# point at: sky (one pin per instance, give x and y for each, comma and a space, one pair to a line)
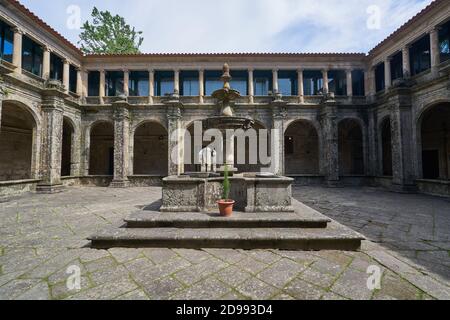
208, 26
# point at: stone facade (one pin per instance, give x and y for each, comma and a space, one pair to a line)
346, 130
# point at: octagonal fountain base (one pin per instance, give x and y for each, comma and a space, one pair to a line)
251, 192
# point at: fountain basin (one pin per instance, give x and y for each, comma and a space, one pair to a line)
251, 193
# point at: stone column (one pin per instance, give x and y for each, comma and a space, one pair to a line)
79, 82
349, 83
325, 81
371, 167
66, 75
201, 86
121, 145
300, 86
126, 80
402, 147
151, 85
406, 63
101, 89
46, 63
52, 120
275, 81
277, 141
84, 83
330, 143
434, 50
176, 81
176, 140
387, 73
229, 149
1, 105
17, 51
251, 89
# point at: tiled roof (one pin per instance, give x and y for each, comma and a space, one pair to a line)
39, 21
44, 25
242, 54
430, 7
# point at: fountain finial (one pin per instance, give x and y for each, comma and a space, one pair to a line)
226, 77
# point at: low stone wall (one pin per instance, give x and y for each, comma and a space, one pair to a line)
145, 181
96, 181
307, 179
10, 189
187, 194
434, 187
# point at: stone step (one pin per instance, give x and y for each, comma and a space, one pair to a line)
334, 237
143, 219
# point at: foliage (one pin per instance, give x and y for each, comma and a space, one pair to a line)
109, 34
226, 185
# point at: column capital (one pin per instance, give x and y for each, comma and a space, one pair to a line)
18, 30
250, 70
151, 70
435, 29
125, 70
46, 48
102, 71
300, 70
66, 61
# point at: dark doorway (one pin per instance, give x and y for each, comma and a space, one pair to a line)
66, 156
430, 161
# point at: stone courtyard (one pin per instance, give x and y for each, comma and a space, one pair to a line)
42, 235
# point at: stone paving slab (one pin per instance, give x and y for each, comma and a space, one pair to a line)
34, 261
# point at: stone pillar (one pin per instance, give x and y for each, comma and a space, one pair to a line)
126, 80
121, 145
176, 140
66, 76
17, 51
371, 167
300, 86
434, 50
275, 81
406, 63
176, 81
79, 82
84, 84
151, 85
46, 63
387, 73
325, 81
251, 88
52, 120
101, 88
277, 143
349, 83
402, 147
1, 105
201, 86
330, 143
372, 81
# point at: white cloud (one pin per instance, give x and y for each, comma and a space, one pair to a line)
247, 25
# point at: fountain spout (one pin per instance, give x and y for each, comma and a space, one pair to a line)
226, 95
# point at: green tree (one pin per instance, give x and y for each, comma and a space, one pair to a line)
108, 34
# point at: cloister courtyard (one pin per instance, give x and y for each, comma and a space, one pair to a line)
408, 238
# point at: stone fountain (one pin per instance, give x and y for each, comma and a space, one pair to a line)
196, 192
267, 217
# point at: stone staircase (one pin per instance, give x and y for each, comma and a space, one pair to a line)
304, 229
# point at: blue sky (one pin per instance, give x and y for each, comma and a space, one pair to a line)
245, 25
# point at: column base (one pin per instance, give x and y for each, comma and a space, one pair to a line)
50, 188
120, 184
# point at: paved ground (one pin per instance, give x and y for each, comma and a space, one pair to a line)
41, 236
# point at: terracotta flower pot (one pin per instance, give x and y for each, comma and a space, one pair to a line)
226, 207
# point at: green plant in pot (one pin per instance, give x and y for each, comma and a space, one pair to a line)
226, 204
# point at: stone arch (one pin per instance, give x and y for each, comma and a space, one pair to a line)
19, 142
385, 146
351, 145
302, 148
433, 140
150, 143
101, 148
